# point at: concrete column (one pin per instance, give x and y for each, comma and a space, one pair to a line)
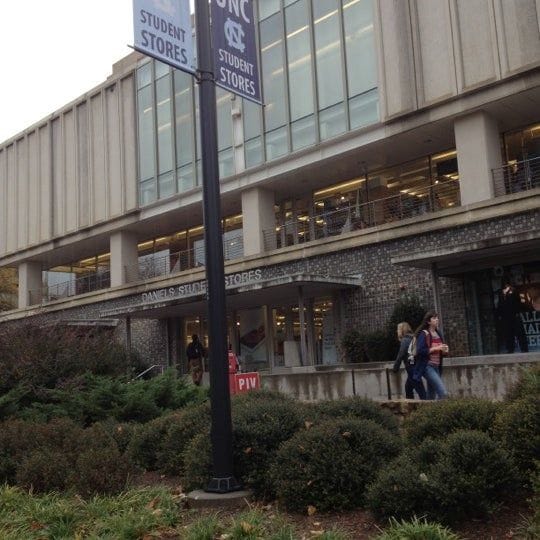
303, 337
30, 284
478, 152
124, 256
258, 218
310, 322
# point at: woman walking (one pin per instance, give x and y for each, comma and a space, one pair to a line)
405, 335
430, 349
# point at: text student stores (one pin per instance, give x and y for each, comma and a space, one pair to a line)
235, 51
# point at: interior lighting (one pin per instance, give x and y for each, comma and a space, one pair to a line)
339, 187
438, 157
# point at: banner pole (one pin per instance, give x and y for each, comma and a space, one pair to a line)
223, 480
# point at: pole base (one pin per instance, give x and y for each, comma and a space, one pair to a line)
224, 484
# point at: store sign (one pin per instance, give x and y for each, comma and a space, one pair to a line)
235, 49
232, 281
162, 30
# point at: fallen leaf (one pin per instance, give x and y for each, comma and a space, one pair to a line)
308, 424
248, 450
246, 527
311, 510
346, 434
152, 504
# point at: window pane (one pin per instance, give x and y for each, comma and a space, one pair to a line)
299, 60
253, 152
272, 72
224, 118
226, 163
364, 109
252, 119
303, 132
267, 8
161, 69
144, 75
359, 46
184, 118
164, 127
166, 185
276, 143
148, 192
146, 134
332, 121
328, 52
186, 181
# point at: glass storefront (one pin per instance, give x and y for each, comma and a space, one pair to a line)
496, 324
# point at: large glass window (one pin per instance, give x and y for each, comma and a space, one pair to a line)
329, 66
164, 137
251, 113
184, 129
146, 133
272, 72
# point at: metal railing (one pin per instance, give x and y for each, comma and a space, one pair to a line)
154, 266
517, 176
88, 283
406, 204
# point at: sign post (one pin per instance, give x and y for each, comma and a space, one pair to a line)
223, 480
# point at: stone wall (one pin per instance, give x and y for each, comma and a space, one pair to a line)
487, 377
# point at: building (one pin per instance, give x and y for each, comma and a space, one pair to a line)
398, 152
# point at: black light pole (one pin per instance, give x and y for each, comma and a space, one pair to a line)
223, 480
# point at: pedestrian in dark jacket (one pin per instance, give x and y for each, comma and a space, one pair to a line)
405, 335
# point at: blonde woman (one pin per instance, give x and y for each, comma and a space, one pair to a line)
405, 335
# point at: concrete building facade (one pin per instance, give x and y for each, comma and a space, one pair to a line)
398, 152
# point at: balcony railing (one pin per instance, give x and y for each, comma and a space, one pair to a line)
408, 203
88, 283
155, 266
517, 176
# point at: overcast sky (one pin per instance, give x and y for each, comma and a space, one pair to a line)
55, 50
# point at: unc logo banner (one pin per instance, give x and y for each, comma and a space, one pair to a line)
162, 30
235, 51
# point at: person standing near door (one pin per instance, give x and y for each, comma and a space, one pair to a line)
195, 354
508, 310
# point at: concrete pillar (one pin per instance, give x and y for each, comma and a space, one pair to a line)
30, 284
124, 258
478, 152
303, 336
258, 218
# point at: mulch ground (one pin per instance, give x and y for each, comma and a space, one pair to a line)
361, 525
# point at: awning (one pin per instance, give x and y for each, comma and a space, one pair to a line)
467, 257
277, 291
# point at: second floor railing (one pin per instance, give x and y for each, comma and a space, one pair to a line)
517, 176
406, 204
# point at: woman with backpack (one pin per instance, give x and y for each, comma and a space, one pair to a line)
405, 335
430, 349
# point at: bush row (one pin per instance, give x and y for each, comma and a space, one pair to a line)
60, 455
93, 398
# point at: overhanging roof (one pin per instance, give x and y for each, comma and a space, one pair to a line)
471, 256
277, 291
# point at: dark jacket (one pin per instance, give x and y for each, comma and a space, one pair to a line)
195, 350
403, 353
423, 344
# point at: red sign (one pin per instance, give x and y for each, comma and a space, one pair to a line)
240, 383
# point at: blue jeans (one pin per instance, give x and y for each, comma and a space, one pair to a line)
435, 386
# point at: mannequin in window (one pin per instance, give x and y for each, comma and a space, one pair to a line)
508, 310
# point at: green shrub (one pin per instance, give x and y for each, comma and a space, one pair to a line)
329, 465
439, 419
527, 385
260, 425
416, 529
147, 439
353, 345
473, 475
407, 309
369, 346
197, 461
354, 407
517, 426
465, 477
40, 357
178, 434
44, 470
